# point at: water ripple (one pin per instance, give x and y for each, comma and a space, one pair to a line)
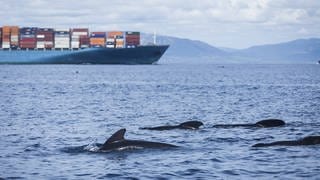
52, 119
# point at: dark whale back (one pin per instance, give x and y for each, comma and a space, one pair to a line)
263, 123
270, 123
191, 125
185, 125
117, 141
309, 140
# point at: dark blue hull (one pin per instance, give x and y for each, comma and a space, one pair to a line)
138, 55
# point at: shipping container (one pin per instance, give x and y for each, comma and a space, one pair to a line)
45, 38
84, 42
28, 37
62, 38
6, 37
10, 37
76, 33
97, 35
113, 34
97, 39
132, 33
132, 39
33, 37
97, 42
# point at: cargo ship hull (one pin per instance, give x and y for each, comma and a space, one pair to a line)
138, 55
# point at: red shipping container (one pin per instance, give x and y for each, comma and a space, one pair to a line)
80, 30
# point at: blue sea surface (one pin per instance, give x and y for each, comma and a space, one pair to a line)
52, 117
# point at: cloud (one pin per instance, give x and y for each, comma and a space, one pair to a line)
206, 20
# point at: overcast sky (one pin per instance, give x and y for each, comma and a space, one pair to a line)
222, 23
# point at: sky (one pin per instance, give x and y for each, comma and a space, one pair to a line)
221, 23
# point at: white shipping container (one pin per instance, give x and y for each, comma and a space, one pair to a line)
110, 46
62, 41
61, 29
84, 46
61, 46
40, 46
62, 37
75, 45
40, 36
74, 36
110, 39
5, 45
79, 33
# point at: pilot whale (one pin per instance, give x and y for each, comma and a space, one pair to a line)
309, 140
118, 142
185, 125
263, 123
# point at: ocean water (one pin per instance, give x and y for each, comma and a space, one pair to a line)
53, 116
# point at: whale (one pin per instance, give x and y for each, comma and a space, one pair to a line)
118, 142
309, 140
185, 125
266, 123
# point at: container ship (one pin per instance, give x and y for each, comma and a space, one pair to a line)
33, 45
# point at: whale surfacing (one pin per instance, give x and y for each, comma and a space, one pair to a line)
185, 125
118, 142
263, 123
309, 140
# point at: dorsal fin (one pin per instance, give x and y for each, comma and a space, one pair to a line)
117, 136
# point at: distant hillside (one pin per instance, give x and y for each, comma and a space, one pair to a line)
186, 50
297, 51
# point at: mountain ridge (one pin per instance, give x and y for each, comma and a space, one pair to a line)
187, 50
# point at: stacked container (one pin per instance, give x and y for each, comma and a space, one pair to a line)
115, 39
132, 39
110, 43
45, 38
6, 37
84, 41
14, 37
62, 38
97, 39
28, 39
119, 42
76, 35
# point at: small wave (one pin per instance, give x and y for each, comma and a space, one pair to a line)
32, 147
75, 149
110, 175
92, 148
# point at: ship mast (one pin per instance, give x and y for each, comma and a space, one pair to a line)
154, 37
